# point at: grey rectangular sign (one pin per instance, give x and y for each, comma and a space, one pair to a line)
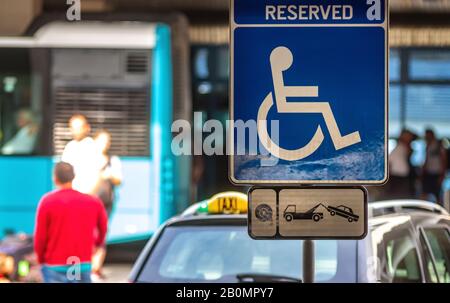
308, 213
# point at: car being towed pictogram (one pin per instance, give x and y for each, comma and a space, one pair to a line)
343, 211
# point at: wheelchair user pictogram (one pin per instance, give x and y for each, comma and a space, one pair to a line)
281, 59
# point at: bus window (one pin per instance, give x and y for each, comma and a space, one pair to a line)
111, 88
20, 102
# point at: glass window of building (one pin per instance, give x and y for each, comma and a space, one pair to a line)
419, 95
429, 65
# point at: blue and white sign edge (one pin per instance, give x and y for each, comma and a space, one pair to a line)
231, 139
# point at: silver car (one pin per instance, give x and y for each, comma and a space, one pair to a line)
408, 241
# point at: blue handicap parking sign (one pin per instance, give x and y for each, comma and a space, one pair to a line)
312, 74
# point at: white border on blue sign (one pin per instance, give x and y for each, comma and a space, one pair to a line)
233, 26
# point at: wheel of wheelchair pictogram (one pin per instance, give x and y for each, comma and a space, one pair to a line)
263, 213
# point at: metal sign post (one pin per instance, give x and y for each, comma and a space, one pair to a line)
309, 80
308, 261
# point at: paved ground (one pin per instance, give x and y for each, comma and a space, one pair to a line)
116, 273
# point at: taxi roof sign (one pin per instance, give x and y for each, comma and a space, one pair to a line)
222, 203
228, 203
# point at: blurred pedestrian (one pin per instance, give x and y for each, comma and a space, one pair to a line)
197, 172
401, 171
110, 176
24, 141
81, 154
110, 170
69, 225
435, 167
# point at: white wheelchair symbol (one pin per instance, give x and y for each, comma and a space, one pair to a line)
281, 59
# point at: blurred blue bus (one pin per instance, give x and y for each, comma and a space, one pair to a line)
120, 75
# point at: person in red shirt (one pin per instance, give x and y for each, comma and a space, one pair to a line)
69, 227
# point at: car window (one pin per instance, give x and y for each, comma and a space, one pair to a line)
429, 267
220, 253
439, 243
399, 259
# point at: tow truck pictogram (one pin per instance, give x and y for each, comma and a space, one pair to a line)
290, 213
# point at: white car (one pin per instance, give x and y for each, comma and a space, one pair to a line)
408, 241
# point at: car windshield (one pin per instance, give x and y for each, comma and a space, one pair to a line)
221, 253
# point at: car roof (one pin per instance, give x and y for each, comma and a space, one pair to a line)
198, 220
424, 218
405, 205
418, 212
416, 217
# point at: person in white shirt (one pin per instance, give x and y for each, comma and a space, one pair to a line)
81, 153
24, 141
